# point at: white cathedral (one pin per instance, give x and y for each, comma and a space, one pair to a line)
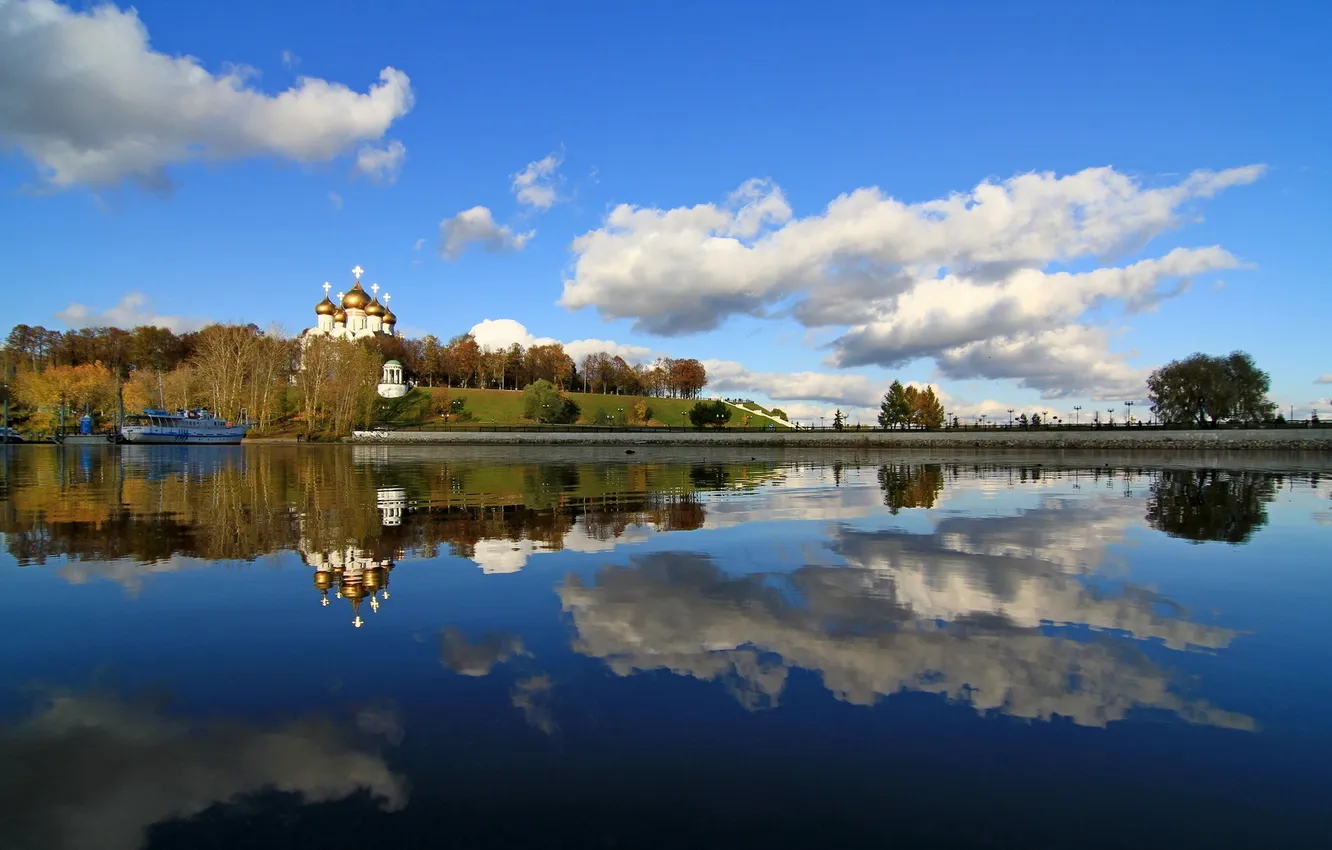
358, 314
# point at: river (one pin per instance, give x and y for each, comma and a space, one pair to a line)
397, 646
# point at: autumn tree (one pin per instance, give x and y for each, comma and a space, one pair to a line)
925, 409
907, 485
72, 388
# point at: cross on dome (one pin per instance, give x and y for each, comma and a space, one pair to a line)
358, 271
387, 297
339, 296
326, 288
374, 287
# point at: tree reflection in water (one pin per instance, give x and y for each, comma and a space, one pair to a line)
1209, 504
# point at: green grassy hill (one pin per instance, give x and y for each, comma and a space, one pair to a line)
505, 407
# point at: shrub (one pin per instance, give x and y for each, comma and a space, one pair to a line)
543, 403
713, 413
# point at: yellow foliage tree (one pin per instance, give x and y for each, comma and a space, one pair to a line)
90, 385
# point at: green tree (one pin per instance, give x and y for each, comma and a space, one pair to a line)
1205, 390
543, 403
1035, 420
895, 409
838, 420
713, 413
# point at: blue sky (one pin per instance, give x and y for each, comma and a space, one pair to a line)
728, 130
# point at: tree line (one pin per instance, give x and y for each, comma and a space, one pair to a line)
238, 370
463, 362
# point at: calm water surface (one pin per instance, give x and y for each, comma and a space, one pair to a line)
371, 647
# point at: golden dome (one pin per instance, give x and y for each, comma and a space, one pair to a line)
375, 308
374, 578
353, 591
325, 307
340, 316
323, 579
356, 299
389, 318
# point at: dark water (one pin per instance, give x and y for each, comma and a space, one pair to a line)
366, 647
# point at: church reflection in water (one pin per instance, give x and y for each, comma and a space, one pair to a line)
354, 574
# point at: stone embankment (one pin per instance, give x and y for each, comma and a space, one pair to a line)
1289, 439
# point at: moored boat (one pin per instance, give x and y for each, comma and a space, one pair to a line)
187, 427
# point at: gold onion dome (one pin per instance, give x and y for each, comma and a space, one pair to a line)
389, 318
375, 308
356, 299
340, 316
325, 307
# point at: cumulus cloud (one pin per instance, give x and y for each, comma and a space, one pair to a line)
90, 102
729, 377
132, 311
534, 186
476, 659
478, 227
381, 165
1061, 363
96, 771
949, 623
502, 333
905, 280
1324, 379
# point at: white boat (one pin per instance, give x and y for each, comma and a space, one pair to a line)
184, 427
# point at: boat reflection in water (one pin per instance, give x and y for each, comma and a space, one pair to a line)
686, 640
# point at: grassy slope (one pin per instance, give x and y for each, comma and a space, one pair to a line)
505, 407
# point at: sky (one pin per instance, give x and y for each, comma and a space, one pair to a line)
1026, 205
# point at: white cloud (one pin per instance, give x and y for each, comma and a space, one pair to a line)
502, 333
1069, 361
534, 186
381, 165
1324, 379
478, 227
132, 311
90, 102
729, 378
335, 200
905, 280
289, 59
420, 243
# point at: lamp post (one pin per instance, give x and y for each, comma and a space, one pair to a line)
620, 410
1128, 414
1077, 409
821, 418
682, 418
1010, 417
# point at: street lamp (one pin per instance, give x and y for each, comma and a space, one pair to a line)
1077, 409
1010, 417
1128, 413
821, 418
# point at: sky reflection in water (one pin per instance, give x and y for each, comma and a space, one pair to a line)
342, 646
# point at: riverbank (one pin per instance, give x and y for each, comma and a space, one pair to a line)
1290, 439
